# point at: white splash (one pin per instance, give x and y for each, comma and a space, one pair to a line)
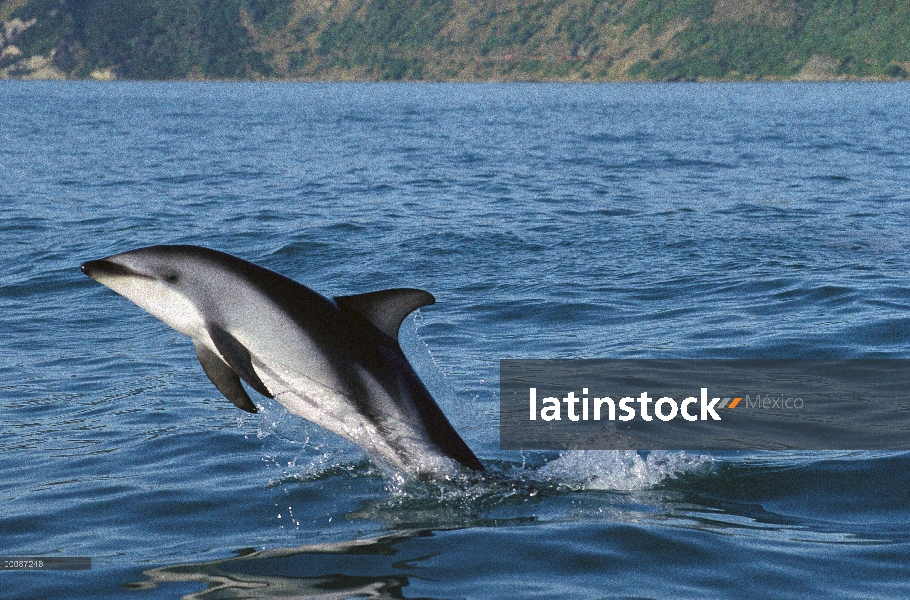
620, 470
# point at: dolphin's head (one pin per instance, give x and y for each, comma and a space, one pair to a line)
173, 283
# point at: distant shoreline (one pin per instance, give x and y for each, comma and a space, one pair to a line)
456, 40
461, 81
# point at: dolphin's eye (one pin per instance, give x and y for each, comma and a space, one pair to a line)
171, 277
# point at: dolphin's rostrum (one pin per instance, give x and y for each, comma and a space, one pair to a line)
334, 362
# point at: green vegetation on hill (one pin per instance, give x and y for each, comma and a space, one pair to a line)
570, 40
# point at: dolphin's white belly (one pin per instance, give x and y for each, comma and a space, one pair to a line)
332, 410
315, 402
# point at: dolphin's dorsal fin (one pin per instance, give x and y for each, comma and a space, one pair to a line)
386, 309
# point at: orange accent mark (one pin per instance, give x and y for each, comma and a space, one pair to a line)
734, 403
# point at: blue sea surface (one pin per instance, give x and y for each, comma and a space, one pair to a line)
550, 221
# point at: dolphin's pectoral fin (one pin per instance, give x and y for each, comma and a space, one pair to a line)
238, 358
224, 378
386, 309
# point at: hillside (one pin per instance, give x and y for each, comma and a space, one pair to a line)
471, 40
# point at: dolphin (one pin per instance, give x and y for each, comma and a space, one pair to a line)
335, 362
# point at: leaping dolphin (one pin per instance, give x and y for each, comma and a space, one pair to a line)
335, 362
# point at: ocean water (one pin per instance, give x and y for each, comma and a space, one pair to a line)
550, 221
